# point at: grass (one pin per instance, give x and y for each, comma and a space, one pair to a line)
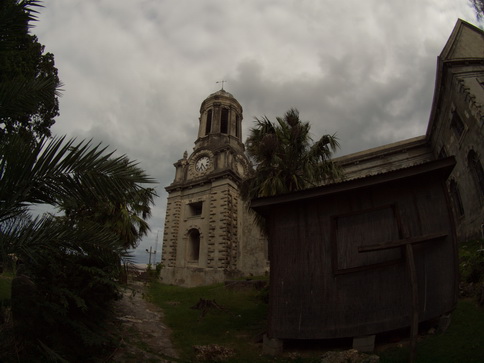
243, 319
471, 261
237, 326
462, 342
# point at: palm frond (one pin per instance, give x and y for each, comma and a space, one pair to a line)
18, 96
285, 157
55, 171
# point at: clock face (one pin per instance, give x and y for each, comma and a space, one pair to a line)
202, 164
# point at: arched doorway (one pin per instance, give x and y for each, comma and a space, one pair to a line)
193, 250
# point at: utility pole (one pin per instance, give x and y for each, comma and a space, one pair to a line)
151, 253
156, 248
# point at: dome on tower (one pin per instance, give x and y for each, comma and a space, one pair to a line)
221, 92
222, 96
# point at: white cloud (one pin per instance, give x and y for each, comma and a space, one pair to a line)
136, 71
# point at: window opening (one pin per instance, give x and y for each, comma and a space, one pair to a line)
195, 209
224, 121
237, 126
457, 125
208, 125
456, 198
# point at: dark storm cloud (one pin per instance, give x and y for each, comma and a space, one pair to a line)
136, 71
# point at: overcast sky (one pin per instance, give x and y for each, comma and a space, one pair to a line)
136, 71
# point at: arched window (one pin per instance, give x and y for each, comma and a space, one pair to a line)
476, 170
456, 198
193, 245
224, 121
237, 126
208, 124
457, 125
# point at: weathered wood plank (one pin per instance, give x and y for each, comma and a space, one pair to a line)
310, 299
402, 242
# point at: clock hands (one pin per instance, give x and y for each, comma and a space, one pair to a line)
202, 164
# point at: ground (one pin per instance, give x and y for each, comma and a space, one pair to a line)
145, 338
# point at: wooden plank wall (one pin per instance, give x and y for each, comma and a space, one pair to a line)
322, 288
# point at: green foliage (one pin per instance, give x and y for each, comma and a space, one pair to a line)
74, 263
462, 342
123, 214
478, 6
471, 261
29, 82
69, 263
236, 325
153, 274
5, 285
158, 268
285, 157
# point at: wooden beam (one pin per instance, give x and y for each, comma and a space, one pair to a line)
402, 242
410, 261
414, 309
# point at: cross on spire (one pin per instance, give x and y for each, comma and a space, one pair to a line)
222, 81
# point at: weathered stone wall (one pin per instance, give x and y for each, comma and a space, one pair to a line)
253, 256
230, 243
170, 234
463, 98
386, 158
458, 95
221, 240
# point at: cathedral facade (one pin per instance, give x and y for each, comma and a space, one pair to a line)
210, 235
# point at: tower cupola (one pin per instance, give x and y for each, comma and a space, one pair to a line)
220, 121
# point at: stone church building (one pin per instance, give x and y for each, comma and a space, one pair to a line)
456, 128
210, 235
456, 125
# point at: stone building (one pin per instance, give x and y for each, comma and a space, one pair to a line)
456, 128
456, 124
210, 234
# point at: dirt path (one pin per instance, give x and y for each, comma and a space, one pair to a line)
145, 337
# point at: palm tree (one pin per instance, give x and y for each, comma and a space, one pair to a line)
70, 257
124, 215
29, 83
78, 178
285, 157
478, 6
72, 260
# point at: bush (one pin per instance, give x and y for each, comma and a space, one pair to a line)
151, 274
471, 264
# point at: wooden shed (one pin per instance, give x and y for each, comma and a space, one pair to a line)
352, 258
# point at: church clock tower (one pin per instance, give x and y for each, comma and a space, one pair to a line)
210, 235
